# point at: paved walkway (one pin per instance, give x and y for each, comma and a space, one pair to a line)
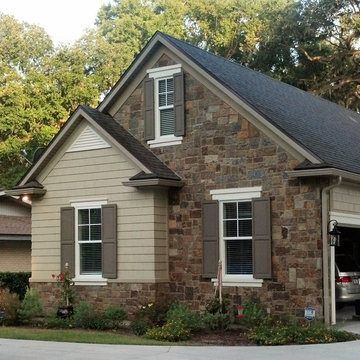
46, 350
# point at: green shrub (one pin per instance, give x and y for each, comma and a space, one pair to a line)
181, 312
86, 317
254, 313
17, 283
153, 313
10, 304
54, 322
114, 315
213, 306
172, 331
31, 306
216, 321
296, 333
139, 326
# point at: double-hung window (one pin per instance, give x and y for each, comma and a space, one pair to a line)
89, 240
164, 106
237, 237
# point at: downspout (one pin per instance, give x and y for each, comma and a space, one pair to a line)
325, 219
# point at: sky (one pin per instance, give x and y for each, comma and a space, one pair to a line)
64, 20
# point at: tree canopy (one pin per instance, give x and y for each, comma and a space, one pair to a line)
312, 44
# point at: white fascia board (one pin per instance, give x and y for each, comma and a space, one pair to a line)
346, 175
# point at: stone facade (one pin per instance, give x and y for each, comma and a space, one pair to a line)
220, 150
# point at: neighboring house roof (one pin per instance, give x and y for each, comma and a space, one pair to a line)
328, 132
15, 225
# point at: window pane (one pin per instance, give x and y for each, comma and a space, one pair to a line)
83, 232
230, 228
230, 211
95, 232
167, 123
239, 257
245, 227
90, 259
162, 100
95, 216
244, 209
162, 86
83, 216
170, 99
170, 85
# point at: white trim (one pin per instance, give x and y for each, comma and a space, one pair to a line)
89, 139
164, 71
79, 278
165, 141
226, 195
345, 218
236, 193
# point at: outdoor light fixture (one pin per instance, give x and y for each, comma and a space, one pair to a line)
334, 233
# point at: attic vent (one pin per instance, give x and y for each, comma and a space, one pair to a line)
88, 140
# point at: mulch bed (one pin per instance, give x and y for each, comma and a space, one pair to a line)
225, 338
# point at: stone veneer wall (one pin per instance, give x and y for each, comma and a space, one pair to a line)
223, 150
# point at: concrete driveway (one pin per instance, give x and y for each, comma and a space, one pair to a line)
44, 350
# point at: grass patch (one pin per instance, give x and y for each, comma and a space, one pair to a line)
75, 335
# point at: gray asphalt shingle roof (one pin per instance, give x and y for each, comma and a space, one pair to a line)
131, 144
329, 131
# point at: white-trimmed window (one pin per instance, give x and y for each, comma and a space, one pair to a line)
164, 112
235, 235
88, 241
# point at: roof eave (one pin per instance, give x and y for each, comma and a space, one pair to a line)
33, 191
154, 183
346, 175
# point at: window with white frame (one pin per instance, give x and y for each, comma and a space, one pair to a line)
235, 234
89, 240
164, 111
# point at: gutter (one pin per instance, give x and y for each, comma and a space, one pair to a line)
329, 298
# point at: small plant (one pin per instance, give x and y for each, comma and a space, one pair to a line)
86, 317
114, 315
65, 282
153, 313
254, 313
181, 312
216, 321
31, 306
214, 306
139, 326
10, 304
174, 330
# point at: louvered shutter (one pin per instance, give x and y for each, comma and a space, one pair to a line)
261, 234
179, 104
210, 230
149, 126
67, 236
109, 241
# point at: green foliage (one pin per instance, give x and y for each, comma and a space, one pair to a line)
181, 313
31, 306
65, 283
214, 306
10, 304
254, 313
216, 321
153, 313
16, 282
54, 322
297, 333
86, 317
114, 315
174, 330
139, 326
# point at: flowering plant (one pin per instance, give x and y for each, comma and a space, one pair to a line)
65, 282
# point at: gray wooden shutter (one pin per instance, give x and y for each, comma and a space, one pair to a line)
109, 241
149, 126
179, 104
67, 238
210, 230
261, 233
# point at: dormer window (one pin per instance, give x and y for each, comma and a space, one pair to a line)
164, 106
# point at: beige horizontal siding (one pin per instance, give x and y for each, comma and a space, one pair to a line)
15, 256
90, 176
345, 198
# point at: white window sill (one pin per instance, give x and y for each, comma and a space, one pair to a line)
165, 141
242, 281
90, 280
